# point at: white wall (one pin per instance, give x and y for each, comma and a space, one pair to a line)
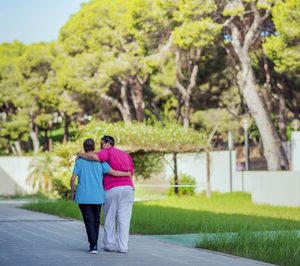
13, 174
280, 188
266, 187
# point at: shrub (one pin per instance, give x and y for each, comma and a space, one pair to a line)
62, 190
147, 164
183, 191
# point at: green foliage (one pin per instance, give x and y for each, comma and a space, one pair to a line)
51, 172
208, 119
9, 56
196, 33
183, 191
140, 136
15, 127
147, 165
283, 48
66, 153
14, 124
61, 189
189, 9
44, 120
234, 8
111, 43
65, 156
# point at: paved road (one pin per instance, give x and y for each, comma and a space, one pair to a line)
30, 238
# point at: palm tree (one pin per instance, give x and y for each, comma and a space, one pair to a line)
66, 153
42, 169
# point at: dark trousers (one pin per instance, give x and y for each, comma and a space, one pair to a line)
91, 218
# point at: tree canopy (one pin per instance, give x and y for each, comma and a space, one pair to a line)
138, 137
192, 63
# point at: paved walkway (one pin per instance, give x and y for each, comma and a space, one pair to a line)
30, 238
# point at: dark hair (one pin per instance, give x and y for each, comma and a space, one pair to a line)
109, 139
89, 145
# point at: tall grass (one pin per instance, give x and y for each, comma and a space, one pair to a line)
62, 208
281, 248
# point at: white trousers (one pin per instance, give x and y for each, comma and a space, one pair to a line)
118, 209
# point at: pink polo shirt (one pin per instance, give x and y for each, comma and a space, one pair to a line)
119, 161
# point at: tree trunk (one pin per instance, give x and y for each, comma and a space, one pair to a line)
186, 113
266, 91
138, 100
283, 110
236, 77
208, 163
282, 119
18, 148
13, 149
46, 140
35, 140
176, 189
187, 91
178, 108
126, 109
282, 122
50, 139
241, 44
66, 129
261, 116
122, 110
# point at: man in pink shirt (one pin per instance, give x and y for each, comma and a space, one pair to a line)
119, 194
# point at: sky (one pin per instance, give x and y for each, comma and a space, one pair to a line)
31, 21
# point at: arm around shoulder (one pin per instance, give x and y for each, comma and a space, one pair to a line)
91, 156
119, 173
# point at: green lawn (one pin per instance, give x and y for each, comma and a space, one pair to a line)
222, 213
57, 134
280, 248
197, 214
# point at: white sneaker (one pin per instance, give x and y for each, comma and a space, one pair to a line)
109, 249
122, 251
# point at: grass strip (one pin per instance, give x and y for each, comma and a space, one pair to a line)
221, 213
281, 248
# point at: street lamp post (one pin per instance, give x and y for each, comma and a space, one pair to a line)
295, 145
230, 147
245, 123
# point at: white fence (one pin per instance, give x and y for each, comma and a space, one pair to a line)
280, 188
266, 187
